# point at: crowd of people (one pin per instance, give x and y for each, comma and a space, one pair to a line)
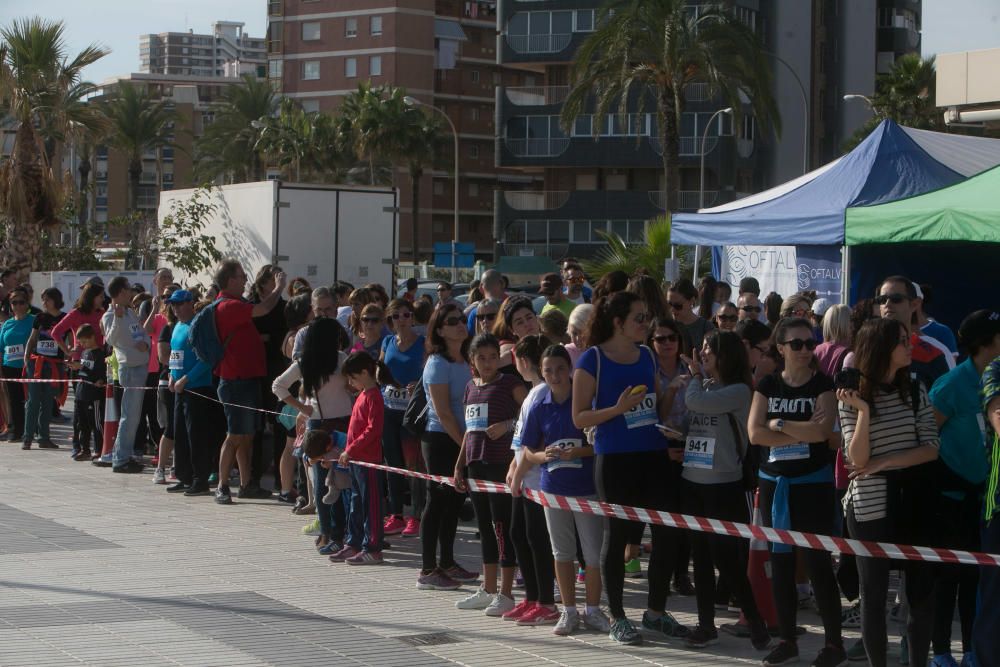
841, 421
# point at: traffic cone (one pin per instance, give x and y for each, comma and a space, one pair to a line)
110, 421
759, 572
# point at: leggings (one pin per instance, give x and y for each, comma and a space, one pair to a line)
635, 478
874, 575
729, 503
530, 537
440, 519
15, 390
957, 521
811, 507
493, 512
394, 439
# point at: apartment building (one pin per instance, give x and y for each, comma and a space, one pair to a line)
225, 52
443, 52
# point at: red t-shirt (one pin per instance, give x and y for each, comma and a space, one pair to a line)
244, 356
364, 433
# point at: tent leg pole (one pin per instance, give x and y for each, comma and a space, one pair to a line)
845, 275
694, 267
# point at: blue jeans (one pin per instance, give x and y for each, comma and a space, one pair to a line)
38, 409
131, 408
365, 521
332, 518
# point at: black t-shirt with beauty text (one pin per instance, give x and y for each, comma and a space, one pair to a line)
794, 404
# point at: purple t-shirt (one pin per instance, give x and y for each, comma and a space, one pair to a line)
484, 406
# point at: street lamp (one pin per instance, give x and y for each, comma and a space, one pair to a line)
805, 110
867, 100
701, 189
413, 102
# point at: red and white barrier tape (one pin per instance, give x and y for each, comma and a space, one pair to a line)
720, 527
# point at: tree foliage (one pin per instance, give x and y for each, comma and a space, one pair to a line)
229, 147
180, 239
905, 94
649, 256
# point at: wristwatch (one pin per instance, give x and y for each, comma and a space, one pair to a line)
779, 425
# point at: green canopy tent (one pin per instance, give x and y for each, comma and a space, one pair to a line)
949, 238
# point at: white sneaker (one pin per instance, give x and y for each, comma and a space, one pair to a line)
500, 605
596, 620
568, 622
478, 600
159, 476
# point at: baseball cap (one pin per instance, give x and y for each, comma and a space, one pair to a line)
820, 306
979, 328
180, 296
93, 280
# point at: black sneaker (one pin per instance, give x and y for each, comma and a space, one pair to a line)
683, 585
665, 624
784, 654
286, 498
223, 496
130, 468
178, 487
198, 490
47, 444
831, 655
253, 492
760, 638
26, 445
701, 637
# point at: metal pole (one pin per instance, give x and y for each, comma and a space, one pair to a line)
701, 187
805, 110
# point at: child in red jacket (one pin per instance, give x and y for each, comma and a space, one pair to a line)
363, 545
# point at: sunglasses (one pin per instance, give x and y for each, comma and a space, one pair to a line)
487, 317
443, 289
896, 299
750, 309
405, 315
371, 320
677, 306
576, 279
452, 321
797, 344
727, 318
665, 338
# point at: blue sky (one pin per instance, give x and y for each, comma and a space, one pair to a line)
948, 25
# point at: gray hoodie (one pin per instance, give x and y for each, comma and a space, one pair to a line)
713, 453
124, 334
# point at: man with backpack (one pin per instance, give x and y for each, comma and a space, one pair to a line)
240, 369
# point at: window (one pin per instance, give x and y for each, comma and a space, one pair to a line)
562, 22
376, 25
310, 31
351, 27
749, 129
439, 187
473, 189
350, 67
310, 106
375, 66
474, 152
475, 76
474, 112
274, 68
585, 20
583, 126
310, 70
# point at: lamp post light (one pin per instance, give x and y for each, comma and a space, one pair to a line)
414, 102
867, 100
701, 188
805, 109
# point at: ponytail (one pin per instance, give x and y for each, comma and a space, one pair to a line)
359, 362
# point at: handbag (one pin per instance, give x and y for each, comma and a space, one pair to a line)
415, 417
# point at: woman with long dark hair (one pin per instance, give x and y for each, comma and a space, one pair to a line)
614, 393
649, 291
791, 419
718, 399
889, 433
682, 296
327, 406
445, 377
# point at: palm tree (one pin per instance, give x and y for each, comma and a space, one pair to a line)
40, 89
304, 144
648, 256
137, 123
418, 147
370, 127
228, 147
904, 94
652, 49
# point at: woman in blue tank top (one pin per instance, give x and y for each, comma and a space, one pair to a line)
614, 393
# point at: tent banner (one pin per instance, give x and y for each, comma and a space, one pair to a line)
782, 269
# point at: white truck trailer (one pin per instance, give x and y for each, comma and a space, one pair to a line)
323, 233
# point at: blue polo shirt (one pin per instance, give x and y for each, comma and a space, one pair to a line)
183, 361
550, 423
963, 437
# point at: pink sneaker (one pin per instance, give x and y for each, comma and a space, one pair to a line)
540, 616
344, 554
393, 525
412, 527
366, 558
520, 610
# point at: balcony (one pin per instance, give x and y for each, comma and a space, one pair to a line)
274, 46
275, 7
575, 205
535, 96
527, 200
687, 200
544, 43
687, 146
545, 147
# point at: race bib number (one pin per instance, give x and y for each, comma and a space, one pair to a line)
87, 363
643, 414
564, 444
477, 416
396, 398
796, 452
14, 351
137, 333
515, 442
176, 362
47, 348
163, 384
699, 452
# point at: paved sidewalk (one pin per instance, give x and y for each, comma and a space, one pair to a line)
106, 569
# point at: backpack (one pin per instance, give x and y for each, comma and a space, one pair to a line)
204, 337
415, 417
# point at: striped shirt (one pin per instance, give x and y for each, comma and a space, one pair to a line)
893, 428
